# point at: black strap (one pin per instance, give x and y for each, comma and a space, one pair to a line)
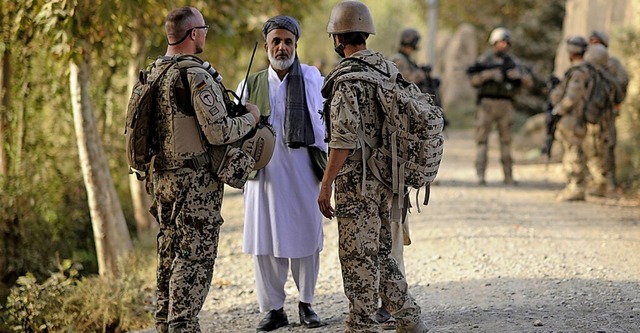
369, 65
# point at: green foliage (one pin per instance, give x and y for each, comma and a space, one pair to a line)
67, 302
33, 307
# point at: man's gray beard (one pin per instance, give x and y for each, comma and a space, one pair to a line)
281, 64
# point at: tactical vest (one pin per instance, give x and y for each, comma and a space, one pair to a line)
505, 89
179, 134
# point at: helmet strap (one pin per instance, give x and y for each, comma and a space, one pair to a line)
339, 50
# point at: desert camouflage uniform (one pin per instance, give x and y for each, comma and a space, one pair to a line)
413, 73
568, 99
495, 99
364, 217
187, 198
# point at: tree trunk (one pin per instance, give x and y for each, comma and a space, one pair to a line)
109, 226
5, 100
145, 223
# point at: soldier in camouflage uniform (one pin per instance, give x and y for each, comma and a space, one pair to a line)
363, 202
614, 66
568, 100
596, 143
420, 75
498, 78
187, 196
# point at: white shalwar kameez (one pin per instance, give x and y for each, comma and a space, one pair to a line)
282, 219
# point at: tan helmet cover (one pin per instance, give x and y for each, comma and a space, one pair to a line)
261, 145
597, 54
350, 16
499, 34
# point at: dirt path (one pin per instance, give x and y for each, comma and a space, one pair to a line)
483, 259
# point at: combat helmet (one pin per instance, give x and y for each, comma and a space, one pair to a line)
597, 54
576, 45
409, 37
601, 36
350, 16
499, 34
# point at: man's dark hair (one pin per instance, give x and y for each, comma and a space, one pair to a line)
354, 38
177, 22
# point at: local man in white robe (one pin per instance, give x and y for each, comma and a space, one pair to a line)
283, 226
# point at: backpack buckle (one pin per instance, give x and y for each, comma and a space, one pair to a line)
198, 161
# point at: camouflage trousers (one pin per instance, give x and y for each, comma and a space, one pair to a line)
187, 207
500, 112
573, 158
595, 149
368, 270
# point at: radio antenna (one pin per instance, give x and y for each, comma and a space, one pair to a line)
244, 84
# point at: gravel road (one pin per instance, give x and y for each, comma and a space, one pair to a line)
484, 259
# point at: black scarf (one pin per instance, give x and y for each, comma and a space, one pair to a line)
298, 130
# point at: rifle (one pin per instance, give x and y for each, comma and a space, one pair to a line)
551, 119
478, 67
430, 85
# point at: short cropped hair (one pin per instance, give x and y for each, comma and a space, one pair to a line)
179, 21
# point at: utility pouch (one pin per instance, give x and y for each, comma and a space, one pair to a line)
235, 167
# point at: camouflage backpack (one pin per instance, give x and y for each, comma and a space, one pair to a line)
602, 94
140, 144
412, 141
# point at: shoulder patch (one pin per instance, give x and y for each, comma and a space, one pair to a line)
207, 97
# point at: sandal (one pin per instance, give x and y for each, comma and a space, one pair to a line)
382, 315
389, 324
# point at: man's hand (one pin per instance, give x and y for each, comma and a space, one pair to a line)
255, 112
324, 201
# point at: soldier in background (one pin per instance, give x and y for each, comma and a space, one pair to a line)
420, 75
616, 69
596, 143
498, 78
568, 100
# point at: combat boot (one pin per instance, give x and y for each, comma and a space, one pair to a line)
508, 178
570, 194
481, 163
599, 190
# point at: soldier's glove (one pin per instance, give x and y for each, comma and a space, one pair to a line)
494, 74
514, 74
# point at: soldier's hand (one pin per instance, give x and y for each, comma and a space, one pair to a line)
494, 74
514, 74
324, 201
255, 112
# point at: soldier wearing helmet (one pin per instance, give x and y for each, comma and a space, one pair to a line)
617, 70
282, 238
568, 99
498, 78
362, 200
595, 145
420, 75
